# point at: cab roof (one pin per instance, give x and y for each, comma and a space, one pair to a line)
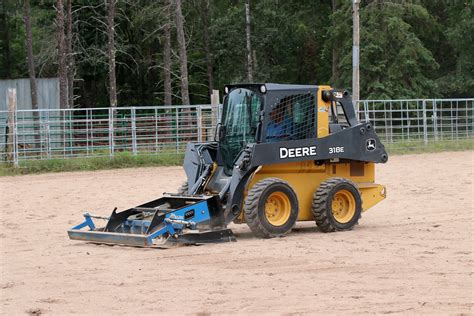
275, 86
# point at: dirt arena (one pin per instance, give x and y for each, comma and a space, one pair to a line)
413, 253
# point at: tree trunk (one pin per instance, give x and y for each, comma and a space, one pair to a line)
5, 72
249, 44
69, 54
355, 53
207, 49
62, 67
29, 53
31, 70
111, 52
335, 52
167, 54
183, 58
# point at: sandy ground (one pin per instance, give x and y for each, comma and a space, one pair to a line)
413, 253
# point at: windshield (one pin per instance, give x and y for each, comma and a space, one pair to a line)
240, 119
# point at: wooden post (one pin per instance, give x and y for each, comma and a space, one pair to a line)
11, 137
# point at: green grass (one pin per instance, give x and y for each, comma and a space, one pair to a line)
402, 148
120, 160
127, 160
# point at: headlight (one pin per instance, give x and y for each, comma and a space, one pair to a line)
263, 89
226, 89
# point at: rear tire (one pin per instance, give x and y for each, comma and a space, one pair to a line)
337, 205
271, 208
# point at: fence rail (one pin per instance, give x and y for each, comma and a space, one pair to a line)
417, 122
95, 132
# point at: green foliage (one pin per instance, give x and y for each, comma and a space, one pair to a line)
394, 60
287, 40
459, 81
409, 49
12, 37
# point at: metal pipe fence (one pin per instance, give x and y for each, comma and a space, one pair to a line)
96, 132
417, 122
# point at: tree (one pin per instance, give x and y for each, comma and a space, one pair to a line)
167, 53
458, 80
31, 69
249, 42
335, 55
408, 48
29, 52
69, 54
4, 27
183, 57
394, 62
62, 63
207, 44
111, 52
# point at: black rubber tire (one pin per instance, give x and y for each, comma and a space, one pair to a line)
183, 189
322, 205
254, 208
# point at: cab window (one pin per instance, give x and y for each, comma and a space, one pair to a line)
292, 118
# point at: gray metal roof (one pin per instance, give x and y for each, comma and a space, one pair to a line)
278, 86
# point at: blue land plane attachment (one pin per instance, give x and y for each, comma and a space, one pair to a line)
170, 219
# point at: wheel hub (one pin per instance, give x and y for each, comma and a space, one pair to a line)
343, 206
277, 208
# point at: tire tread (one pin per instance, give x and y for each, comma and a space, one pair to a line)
251, 207
320, 199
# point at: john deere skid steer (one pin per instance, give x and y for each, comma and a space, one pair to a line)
282, 153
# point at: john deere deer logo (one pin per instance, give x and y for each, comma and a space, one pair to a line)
370, 144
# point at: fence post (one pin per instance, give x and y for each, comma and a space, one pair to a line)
48, 135
366, 111
87, 132
134, 132
425, 123
177, 130
111, 132
435, 119
15, 140
12, 144
199, 122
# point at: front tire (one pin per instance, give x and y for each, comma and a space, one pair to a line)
337, 205
271, 208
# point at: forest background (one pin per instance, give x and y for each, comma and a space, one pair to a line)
136, 52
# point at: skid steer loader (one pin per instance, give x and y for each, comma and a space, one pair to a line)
282, 153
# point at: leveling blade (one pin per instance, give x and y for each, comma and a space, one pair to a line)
173, 218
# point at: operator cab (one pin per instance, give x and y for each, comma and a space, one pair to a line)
264, 113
